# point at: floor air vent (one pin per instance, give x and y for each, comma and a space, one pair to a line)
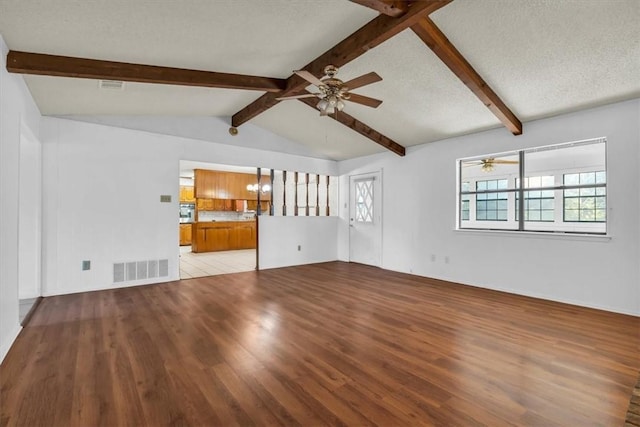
140, 270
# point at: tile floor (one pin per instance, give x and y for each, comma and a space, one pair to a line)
212, 263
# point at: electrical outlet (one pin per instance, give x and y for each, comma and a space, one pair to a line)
86, 265
299, 248
433, 257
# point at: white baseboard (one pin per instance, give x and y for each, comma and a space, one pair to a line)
56, 292
6, 345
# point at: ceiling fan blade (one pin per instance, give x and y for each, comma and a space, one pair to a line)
505, 162
364, 100
309, 77
363, 80
304, 95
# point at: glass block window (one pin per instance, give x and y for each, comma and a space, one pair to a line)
491, 205
589, 202
364, 201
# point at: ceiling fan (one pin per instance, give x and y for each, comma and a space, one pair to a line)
333, 92
488, 164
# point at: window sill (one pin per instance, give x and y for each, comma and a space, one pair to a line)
537, 234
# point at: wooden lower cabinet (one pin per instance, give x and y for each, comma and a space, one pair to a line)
223, 236
244, 236
185, 234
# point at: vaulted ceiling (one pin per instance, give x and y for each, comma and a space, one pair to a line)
539, 58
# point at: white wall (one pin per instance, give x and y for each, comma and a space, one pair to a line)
30, 218
279, 237
213, 129
419, 217
17, 109
101, 201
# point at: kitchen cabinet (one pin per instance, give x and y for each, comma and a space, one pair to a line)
187, 194
223, 236
185, 234
226, 185
218, 204
203, 181
223, 205
205, 204
252, 205
244, 236
210, 237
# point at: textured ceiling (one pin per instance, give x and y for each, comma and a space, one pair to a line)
541, 57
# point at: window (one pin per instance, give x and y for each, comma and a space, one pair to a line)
586, 201
559, 188
364, 200
491, 205
538, 204
464, 202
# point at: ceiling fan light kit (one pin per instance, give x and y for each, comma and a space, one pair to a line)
488, 167
333, 92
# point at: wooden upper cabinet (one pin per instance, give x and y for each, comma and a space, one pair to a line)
227, 185
201, 184
239, 187
220, 185
187, 194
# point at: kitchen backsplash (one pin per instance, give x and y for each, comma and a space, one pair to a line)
224, 216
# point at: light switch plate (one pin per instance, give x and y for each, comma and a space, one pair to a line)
165, 198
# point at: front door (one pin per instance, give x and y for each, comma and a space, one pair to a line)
365, 219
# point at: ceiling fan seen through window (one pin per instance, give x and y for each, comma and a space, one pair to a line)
488, 164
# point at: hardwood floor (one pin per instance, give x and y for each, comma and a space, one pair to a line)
334, 343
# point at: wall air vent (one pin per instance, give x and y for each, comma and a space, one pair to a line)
140, 270
118, 272
111, 84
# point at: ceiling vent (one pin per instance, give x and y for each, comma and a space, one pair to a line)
111, 84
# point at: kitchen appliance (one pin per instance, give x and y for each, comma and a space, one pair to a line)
187, 212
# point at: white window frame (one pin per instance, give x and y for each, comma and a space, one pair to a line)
558, 226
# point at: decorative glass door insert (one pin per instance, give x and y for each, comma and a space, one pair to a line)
364, 201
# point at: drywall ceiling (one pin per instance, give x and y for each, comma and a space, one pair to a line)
542, 58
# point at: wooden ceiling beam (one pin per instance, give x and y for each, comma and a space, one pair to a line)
372, 34
361, 128
393, 8
431, 35
65, 66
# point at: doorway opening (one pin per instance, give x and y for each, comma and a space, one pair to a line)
219, 205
